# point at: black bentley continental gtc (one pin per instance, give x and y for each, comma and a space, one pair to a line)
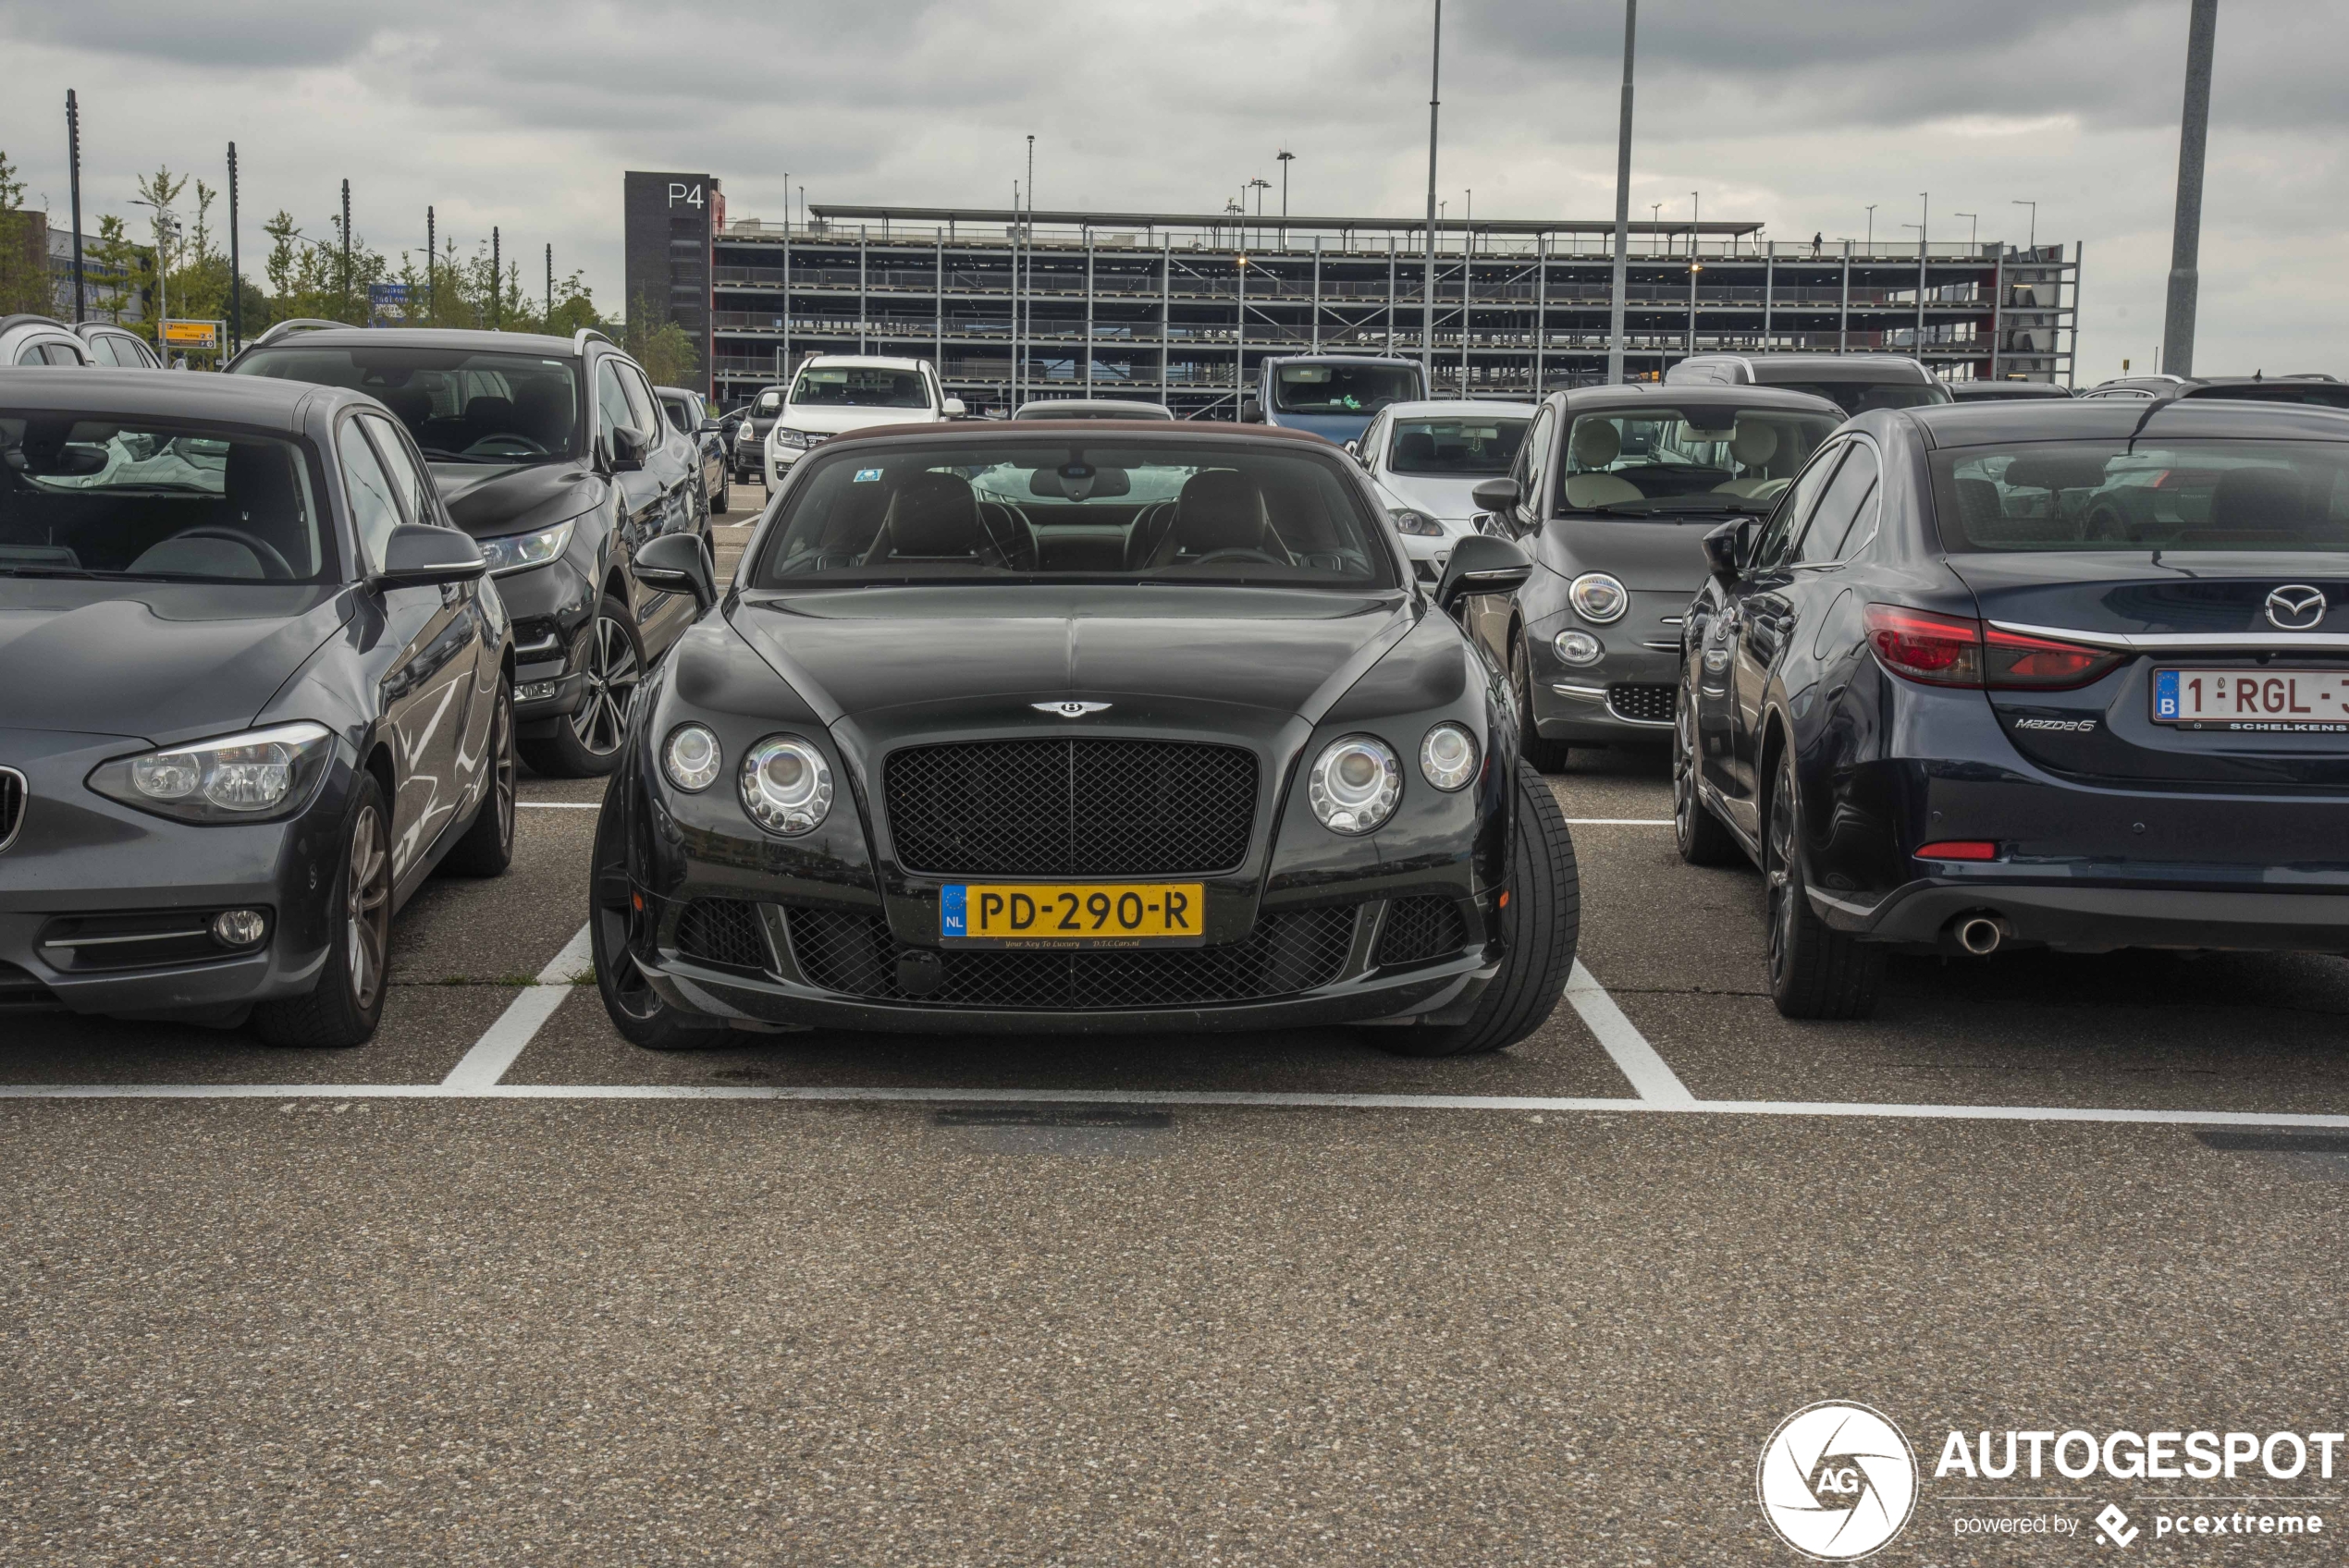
1104, 727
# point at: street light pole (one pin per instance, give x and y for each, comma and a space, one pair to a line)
1974, 230
73, 152
1434, 99
2185, 241
346, 246
1867, 246
1622, 201
1286, 157
236, 270
2032, 243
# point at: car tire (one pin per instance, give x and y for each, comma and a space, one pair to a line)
725, 502
636, 1010
587, 744
1704, 839
1546, 756
1816, 971
1539, 927
344, 1007
487, 847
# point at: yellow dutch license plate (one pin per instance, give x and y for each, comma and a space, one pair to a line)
1072, 914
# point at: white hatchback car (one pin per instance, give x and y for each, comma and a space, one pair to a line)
1427, 457
833, 393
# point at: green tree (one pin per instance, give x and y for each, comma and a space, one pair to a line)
25, 284
660, 346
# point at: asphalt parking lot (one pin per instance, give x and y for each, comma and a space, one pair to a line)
498, 1287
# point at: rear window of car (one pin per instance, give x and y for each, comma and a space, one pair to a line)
2170, 496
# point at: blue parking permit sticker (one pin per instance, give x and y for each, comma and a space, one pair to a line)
868, 476
2165, 694
949, 910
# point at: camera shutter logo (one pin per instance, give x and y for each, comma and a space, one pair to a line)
1836, 1481
2295, 607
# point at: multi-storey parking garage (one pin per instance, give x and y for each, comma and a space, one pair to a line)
1180, 308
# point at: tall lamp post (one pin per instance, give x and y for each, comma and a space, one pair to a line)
2032, 243
2185, 240
1286, 158
1622, 201
1867, 246
236, 270
1435, 100
73, 154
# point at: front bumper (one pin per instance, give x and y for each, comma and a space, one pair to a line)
550, 606
2076, 917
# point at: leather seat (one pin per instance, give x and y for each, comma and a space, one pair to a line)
933, 516
1751, 446
1218, 509
1597, 444
1414, 447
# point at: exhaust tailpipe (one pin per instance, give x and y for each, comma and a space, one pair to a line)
1980, 935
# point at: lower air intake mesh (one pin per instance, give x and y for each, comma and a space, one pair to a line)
724, 932
1422, 928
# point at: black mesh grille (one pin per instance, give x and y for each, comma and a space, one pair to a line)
19, 989
722, 931
853, 954
1647, 705
11, 802
1422, 928
1071, 808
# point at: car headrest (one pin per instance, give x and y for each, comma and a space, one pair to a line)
543, 413
1218, 509
2259, 497
259, 483
2057, 471
1978, 500
1753, 443
413, 404
1596, 442
490, 413
934, 514
1415, 446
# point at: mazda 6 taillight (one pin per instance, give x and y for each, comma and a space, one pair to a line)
1952, 650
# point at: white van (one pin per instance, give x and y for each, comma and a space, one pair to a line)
833, 393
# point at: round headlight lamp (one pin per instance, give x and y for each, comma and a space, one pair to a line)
787, 786
1578, 648
1447, 758
1355, 784
1598, 598
690, 758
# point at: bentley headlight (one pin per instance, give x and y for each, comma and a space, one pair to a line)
691, 757
1598, 598
1409, 520
249, 777
787, 786
514, 552
1355, 784
1447, 758
1578, 648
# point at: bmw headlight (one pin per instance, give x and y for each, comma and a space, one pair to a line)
515, 551
691, 757
1355, 784
1447, 758
787, 786
1409, 520
249, 777
1598, 598
1578, 648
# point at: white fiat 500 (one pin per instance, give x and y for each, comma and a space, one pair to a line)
1427, 457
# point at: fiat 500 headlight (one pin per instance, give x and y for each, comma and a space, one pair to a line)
514, 552
249, 777
1598, 598
787, 786
1355, 784
691, 757
1447, 758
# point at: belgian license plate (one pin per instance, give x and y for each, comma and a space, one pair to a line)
1072, 914
2316, 700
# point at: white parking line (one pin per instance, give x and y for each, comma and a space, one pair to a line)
1619, 822
1648, 1073
503, 1040
560, 805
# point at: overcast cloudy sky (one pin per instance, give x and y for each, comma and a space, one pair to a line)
524, 115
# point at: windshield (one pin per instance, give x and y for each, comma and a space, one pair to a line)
1341, 388
1859, 396
2167, 496
85, 496
860, 386
1658, 461
1021, 510
1452, 447
460, 404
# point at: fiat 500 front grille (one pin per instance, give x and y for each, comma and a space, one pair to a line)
1070, 808
1641, 704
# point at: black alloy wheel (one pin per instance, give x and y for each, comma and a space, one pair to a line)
344, 1008
725, 501
611, 654
617, 919
1702, 837
1816, 971
1546, 756
488, 847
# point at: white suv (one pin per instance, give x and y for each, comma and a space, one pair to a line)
833, 393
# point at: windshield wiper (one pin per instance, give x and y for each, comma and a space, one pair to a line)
1666, 504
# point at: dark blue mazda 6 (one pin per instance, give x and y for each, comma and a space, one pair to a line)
2004, 675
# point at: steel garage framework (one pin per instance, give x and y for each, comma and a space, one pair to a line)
1178, 307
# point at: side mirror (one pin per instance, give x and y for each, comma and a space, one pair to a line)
712, 427
1251, 412
675, 563
1728, 547
1353, 450
416, 556
1481, 564
1494, 494
952, 408
627, 450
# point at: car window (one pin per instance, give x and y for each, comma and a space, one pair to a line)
1340, 388
860, 386
641, 400
375, 511
64, 354
1796, 508
2168, 496
1846, 499
414, 488
612, 411
461, 405
1533, 458
681, 414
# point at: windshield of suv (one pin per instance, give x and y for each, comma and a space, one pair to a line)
1452, 447
461, 405
1859, 396
1656, 460
1027, 509
860, 386
2212, 495
1341, 388
91, 496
